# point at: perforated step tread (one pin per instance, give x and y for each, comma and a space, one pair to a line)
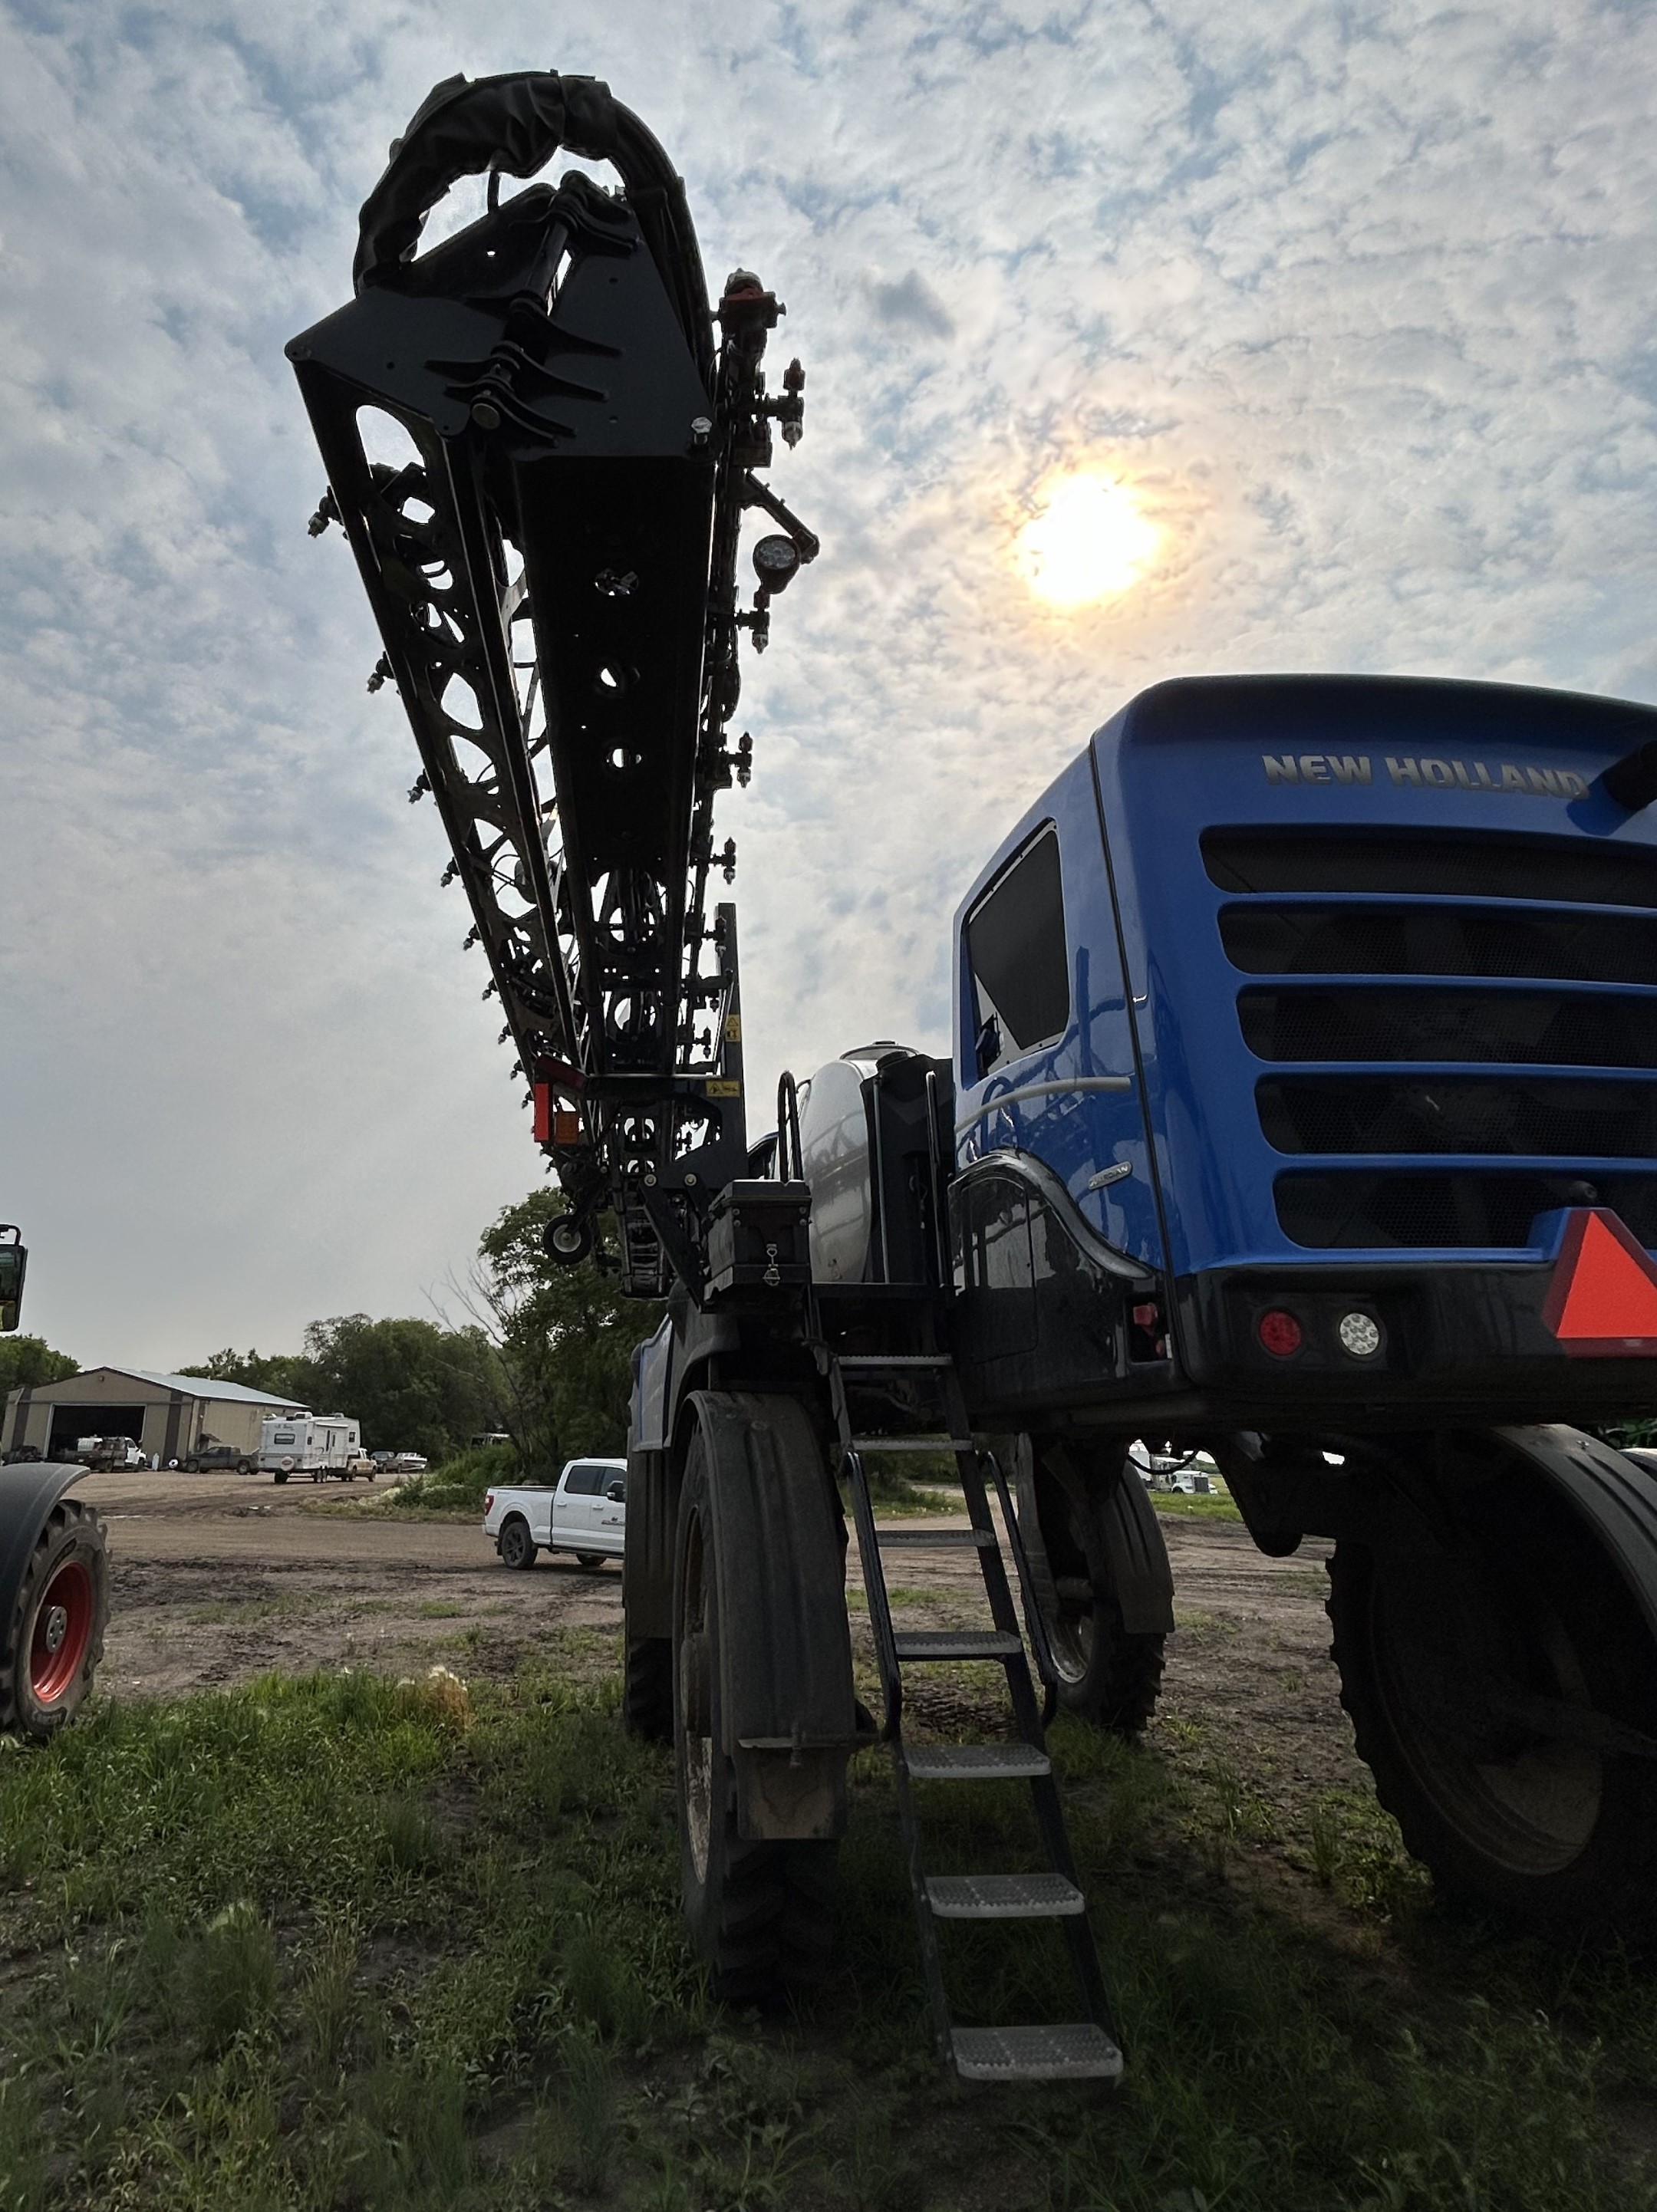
956, 1643
1003, 1896
864, 1361
982, 1540
926, 1443
976, 1762
1076, 2052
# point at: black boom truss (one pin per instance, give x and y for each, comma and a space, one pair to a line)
551, 561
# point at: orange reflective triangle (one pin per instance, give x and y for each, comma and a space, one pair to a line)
1610, 1287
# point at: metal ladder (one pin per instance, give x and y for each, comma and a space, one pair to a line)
1088, 2049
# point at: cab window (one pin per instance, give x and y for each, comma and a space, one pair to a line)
1015, 953
585, 1481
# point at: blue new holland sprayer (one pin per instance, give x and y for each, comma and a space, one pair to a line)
1300, 1111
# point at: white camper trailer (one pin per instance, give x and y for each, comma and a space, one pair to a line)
317, 1444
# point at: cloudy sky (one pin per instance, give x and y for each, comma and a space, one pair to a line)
1356, 300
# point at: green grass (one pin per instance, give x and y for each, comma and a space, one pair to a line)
1177, 1505
335, 1945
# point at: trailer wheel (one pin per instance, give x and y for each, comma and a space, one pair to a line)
648, 1687
761, 1914
517, 1546
55, 1637
1460, 1669
1106, 1674
281, 1476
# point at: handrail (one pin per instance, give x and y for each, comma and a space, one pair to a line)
790, 1159
994, 1105
874, 1592
1035, 1626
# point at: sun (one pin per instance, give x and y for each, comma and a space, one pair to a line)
1090, 541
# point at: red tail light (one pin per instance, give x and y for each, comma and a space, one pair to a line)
489, 1501
1280, 1333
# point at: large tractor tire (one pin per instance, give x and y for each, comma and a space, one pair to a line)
761, 1913
54, 1590
1074, 1516
1501, 1681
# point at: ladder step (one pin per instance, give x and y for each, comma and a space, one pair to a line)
1002, 1896
1077, 2052
976, 1762
982, 1540
911, 1443
864, 1360
956, 1643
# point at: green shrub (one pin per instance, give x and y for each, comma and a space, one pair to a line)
458, 1485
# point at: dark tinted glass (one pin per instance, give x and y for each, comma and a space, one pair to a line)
1015, 950
585, 1481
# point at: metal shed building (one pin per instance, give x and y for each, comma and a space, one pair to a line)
168, 1414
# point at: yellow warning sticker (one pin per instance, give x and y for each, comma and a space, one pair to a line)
733, 1029
717, 1087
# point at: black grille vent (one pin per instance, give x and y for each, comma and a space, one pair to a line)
1556, 988
1412, 865
1358, 1210
1358, 940
1547, 1029
1554, 1118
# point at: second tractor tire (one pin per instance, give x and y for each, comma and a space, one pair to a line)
50, 1647
1438, 1653
1106, 1674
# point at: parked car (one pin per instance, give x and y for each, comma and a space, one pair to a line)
206, 1457
101, 1454
586, 1514
383, 1459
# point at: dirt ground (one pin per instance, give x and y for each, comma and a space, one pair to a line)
218, 1577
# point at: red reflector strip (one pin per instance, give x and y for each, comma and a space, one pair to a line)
1602, 1302
543, 1112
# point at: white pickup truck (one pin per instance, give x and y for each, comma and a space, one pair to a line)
586, 1514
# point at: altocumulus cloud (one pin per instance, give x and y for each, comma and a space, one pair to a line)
1357, 302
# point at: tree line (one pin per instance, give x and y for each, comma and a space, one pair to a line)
543, 1353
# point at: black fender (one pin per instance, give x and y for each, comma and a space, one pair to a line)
27, 1494
1287, 1493
788, 1715
1613, 1495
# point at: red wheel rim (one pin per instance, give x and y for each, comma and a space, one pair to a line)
63, 1629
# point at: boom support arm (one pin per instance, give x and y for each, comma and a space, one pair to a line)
541, 458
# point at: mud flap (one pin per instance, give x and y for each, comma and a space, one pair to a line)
788, 1720
647, 1565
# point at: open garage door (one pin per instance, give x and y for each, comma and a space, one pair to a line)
70, 1422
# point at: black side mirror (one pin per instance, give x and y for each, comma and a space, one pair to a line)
617, 1493
13, 1262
